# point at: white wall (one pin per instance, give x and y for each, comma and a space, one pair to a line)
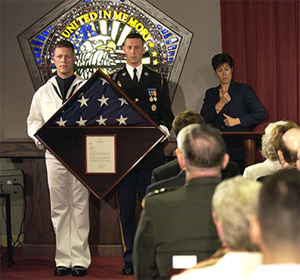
202, 17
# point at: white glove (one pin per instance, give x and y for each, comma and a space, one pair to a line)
39, 144
166, 131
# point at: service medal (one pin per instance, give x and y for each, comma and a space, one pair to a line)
153, 107
152, 93
119, 84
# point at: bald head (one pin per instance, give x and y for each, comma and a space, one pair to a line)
292, 138
289, 146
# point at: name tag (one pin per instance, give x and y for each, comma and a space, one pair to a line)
180, 262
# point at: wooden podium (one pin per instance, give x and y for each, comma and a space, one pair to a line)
248, 140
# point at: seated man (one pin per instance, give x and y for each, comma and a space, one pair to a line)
289, 145
234, 202
170, 175
278, 143
179, 222
276, 228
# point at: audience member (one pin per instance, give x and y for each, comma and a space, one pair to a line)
234, 202
170, 175
271, 164
278, 132
289, 145
276, 136
179, 222
276, 228
172, 168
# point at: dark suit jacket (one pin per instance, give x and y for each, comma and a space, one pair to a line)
158, 108
243, 105
172, 168
178, 222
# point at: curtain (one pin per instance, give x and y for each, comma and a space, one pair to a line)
263, 39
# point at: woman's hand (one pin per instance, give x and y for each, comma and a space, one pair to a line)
224, 97
229, 121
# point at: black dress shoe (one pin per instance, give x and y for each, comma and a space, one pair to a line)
79, 270
62, 271
128, 269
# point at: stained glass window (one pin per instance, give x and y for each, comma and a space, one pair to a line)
98, 29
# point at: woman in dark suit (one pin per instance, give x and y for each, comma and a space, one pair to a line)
231, 106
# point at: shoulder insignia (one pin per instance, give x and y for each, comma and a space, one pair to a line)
162, 190
154, 70
156, 192
114, 74
213, 259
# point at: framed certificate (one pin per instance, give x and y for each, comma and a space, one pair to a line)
100, 153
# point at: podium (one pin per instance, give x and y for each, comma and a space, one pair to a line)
248, 140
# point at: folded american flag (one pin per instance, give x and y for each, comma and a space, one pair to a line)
99, 105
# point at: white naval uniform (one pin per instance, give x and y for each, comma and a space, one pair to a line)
69, 198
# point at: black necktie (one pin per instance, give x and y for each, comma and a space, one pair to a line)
135, 78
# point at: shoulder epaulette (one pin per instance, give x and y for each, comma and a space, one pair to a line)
213, 259
162, 190
154, 70
113, 75
156, 192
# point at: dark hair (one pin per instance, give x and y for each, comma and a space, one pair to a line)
134, 36
203, 146
279, 207
220, 59
185, 118
64, 44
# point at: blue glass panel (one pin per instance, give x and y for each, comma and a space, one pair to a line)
85, 1
40, 37
50, 28
164, 31
37, 49
39, 61
170, 59
172, 40
172, 47
37, 55
94, 33
45, 33
36, 43
88, 27
171, 53
167, 35
159, 26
